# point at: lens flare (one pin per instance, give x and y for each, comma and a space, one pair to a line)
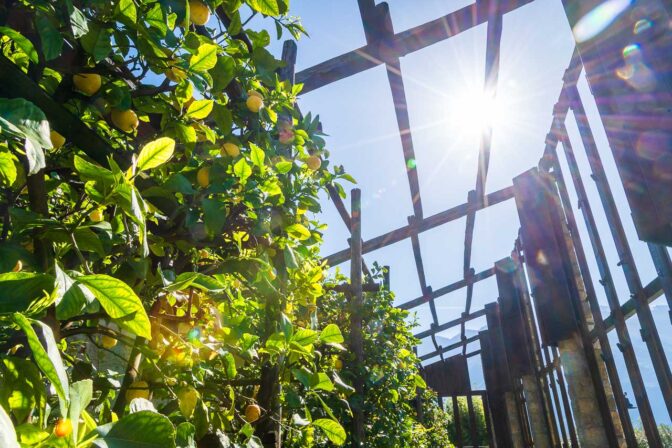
598, 19
641, 26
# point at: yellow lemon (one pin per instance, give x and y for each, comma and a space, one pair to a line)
313, 163
203, 177
254, 103
87, 83
108, 341
126, 120
57, 140
199, 14
138, 389
252, 413
63, 427
230, 149
254, 93
338, 364
96, 215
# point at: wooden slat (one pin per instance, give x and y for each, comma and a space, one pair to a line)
401, 44
425, 224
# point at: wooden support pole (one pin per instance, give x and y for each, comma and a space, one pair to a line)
356, 339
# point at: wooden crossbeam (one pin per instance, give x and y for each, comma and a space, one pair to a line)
425, 224
399, 45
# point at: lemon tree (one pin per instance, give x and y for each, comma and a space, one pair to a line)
160, 269
152, 217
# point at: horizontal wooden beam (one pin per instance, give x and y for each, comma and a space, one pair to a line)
651, 291
400, 44
425, 224
450, 347
438, 328
448, 289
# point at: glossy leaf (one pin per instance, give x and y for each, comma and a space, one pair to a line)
144, 429
24, 44
7, 431
119, 301
47, 356
21, 289
332, 429
155, 153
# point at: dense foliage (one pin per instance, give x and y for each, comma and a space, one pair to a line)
391, 373
159, 268
665, 437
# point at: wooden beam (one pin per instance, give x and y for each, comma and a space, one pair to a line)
399, 45
425, 224
448, 289
438, 328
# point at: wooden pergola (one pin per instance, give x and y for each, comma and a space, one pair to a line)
544, 339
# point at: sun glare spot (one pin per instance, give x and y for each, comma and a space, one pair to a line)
598, 19
474, 111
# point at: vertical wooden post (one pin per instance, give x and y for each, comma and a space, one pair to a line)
473, 431
356, 340
457, 421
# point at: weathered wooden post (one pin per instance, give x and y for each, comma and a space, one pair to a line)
503, 372
518, 344
356, 340
502, 434
556, 296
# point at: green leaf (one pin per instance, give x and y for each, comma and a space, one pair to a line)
267, 7
31, 121
199, 109
332, 429
21, 289
242, 170
7, 432
144, 429
126, 11
24, 44
7, 169
97, 42
81, 394
78, 23
156, 153
214, 214
223, 73
91, 171
186, 434
47, 359
72, 296
50, 37
298, 231
204, 59
120, 302
304, 336
257, 156
22, 388
419, 382
331, 334
320, 381
283, 167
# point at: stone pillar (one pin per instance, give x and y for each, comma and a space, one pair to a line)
535, 408
514, 424
589, 425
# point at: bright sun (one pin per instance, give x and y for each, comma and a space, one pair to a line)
472, 111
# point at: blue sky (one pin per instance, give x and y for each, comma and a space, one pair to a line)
358, 115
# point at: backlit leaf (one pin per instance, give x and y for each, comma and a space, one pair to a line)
156, 153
